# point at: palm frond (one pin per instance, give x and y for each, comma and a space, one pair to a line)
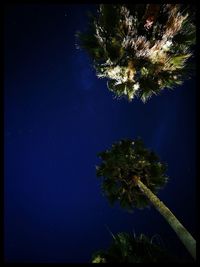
127, 248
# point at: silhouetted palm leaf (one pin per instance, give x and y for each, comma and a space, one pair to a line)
127, 248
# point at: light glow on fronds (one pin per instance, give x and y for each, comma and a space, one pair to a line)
141, 49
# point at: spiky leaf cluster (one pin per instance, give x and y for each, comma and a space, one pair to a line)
125, 160
141, 48
127, 248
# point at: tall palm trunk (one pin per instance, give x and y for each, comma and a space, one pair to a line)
183, 234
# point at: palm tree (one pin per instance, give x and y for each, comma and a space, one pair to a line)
132, 175
141, 48
127, 248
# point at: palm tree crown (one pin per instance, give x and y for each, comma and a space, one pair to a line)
121, 163
141, 48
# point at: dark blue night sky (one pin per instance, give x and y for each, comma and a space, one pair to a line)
57, 116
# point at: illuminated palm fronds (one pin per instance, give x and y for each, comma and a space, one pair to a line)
141, 49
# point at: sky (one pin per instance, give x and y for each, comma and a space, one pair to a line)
57, 116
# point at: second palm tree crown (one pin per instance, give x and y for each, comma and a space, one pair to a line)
122, 164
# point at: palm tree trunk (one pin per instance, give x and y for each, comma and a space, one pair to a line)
183, 234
